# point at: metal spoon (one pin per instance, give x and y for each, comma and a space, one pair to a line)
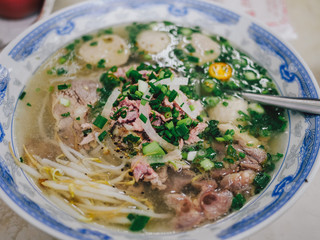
307, 105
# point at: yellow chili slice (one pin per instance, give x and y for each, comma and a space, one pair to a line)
220, 71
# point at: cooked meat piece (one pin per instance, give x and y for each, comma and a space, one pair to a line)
220, 173
131, 122
162, 173
258, 154
215, 203
178, 180
250, 163
187, 213
69, 117
143, 171
204, 184
238, 182
193, 135
254, 157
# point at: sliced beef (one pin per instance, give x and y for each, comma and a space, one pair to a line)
254, 157
193, 136
204, 185
214, 203
220, 173
70, 117
258, 154
238, 182
143, 171
178, 180
187, 213
131, 122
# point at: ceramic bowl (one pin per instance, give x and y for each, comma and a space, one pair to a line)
21, 58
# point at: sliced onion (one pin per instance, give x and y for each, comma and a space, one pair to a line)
192, 155
185, 103
151, 132
112, 98
177, 81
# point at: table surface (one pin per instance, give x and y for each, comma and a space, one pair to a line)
301, 221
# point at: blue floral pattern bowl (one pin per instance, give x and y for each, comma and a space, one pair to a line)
22, 57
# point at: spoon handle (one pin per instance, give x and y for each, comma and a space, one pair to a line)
307, 105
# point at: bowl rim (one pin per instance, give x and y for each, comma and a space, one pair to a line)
300, 190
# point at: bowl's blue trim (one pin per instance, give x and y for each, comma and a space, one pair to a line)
63, 24
286, 189
4, 80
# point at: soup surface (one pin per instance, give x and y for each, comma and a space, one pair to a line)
139, 127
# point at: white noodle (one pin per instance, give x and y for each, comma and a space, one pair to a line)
79, 193
118, 179
65, 206
30, 170
120, 220
67, 170
148, 213
73, 165
74, 152
67, 153
110, 168
90, 189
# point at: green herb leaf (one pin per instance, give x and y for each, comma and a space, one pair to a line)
100, 121
238, 201
138, 222
67, 114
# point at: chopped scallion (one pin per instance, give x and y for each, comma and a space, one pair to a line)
67, 114
100, 121
22, 95
207, 164
191, 107
102, 136
173, 95
152, 149
138, 222
63, 86
143, 118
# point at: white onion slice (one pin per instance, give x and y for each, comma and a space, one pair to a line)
185, 103
112, 98
192, 155
177, 81
151, 132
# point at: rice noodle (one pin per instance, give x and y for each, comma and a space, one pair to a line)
110, 168
108, 106
64, 205
120, 220
78, 193
67, 170
73, 165
119, 178
67, 152
103, 209
90, 189
31, 171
